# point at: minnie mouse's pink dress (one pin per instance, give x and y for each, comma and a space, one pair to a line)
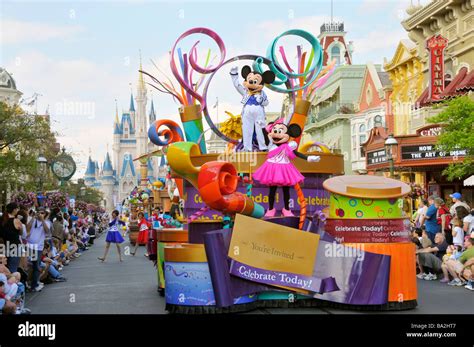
278, 170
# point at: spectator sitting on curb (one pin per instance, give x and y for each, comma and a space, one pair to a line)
12, 288
455, 267
430, 259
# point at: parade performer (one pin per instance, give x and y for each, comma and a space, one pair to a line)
143, 227
278, 170
254, 100
113, 235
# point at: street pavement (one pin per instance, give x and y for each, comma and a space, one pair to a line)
130, 287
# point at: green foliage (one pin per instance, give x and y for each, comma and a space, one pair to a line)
88, 195
22, 138
458, 133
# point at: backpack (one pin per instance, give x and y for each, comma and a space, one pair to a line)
447, 218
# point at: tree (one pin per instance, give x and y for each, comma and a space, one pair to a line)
87, 194
458, 134
22, 138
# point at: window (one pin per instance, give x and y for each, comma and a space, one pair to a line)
362, 139
336, 54
370, 123
378, 121
354, 147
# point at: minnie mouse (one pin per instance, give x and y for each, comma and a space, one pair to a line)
254, 100
278, 170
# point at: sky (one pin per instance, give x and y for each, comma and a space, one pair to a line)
83, 56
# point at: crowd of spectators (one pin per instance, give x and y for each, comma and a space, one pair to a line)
35, 246
444, 238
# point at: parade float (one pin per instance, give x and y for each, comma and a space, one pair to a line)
275, 223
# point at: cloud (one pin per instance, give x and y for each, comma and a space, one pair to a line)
378, 40
272, 28
79, 141
18, 32
80, 96
371, 6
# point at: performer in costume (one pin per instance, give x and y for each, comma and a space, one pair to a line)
113, 235
254, 100
143, 227
278, 170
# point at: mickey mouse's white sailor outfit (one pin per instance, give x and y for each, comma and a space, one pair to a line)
253, 114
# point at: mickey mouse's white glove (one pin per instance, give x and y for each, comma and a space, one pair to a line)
234, 70
259, 99
314, 158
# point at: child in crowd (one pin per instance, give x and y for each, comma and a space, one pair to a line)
458, 233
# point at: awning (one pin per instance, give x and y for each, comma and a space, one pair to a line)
423, 99
450, 89
467, 83
326, 94
461, 84
469, 182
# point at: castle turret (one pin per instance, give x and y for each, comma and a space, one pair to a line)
90, 176
140, 115
108, 182
152, 115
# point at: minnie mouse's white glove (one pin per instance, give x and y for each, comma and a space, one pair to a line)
234, 70
314, 158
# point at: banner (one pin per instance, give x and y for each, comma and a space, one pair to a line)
275, 278
277, 254
369, 230
316, 198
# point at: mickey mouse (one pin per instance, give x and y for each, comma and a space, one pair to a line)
254, 100
278, 170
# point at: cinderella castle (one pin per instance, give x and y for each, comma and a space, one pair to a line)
117, 176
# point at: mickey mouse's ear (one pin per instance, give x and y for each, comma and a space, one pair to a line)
268, 77
245, 71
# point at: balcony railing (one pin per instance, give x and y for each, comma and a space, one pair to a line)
334, 108
332, 27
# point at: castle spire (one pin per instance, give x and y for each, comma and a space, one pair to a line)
132, 105
116, 113
141, 82
152, 115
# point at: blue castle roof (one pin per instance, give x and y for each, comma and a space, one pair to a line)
107, 164
132, 105
126, 118
150, 170
127, 162
90, 170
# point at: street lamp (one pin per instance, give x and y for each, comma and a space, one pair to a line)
391, 144
42, 163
